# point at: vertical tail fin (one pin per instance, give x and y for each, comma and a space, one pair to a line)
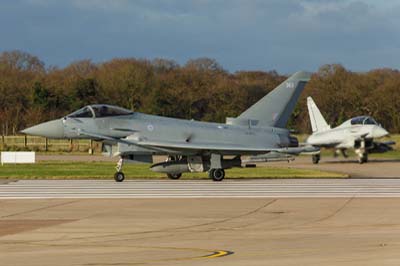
275, 108
318, 123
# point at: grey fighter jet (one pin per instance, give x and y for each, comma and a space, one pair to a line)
191, 146
358, 133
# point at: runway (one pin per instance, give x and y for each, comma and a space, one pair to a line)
212, 231
282, 188
168, 222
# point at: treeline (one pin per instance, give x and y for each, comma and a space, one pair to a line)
201, 89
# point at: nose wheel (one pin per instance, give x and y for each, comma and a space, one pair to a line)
119, 176
362, 153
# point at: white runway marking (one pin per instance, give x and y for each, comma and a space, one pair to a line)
305, 188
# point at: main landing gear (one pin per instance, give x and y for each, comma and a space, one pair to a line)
363, 158
216, 174
216, 171
174, 176
316, 158
119, 176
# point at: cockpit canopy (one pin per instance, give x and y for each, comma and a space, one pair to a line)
100, 110
363, 120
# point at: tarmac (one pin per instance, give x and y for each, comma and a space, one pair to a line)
184, 189
346, 229
180, 222
375, 168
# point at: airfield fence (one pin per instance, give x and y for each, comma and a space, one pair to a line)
41, 144
16, 143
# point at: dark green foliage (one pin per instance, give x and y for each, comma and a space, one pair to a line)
85, 92
41, 96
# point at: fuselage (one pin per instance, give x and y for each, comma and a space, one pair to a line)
137, 126
140, 126
347, 135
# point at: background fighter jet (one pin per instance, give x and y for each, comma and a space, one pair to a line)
191, 146
357, 133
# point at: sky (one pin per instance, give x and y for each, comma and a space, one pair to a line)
282, 35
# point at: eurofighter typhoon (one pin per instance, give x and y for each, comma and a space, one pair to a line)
358, 133
191, 146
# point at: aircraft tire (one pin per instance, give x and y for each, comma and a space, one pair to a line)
119, 177
366, 158
363, 158
174, 176
316, 158
217, 174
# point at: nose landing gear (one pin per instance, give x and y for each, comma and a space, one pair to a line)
119, 175
362, 153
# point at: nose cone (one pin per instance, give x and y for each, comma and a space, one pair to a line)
52, 129
379, 132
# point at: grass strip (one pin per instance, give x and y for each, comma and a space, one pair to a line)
106, 170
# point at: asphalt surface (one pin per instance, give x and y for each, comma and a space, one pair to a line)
375, 168
200, 231
282, 188
235, 222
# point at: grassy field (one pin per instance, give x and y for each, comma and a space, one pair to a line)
105, 170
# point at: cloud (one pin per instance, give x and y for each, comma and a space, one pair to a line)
108, 5
240, 34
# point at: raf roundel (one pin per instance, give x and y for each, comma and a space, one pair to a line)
150, 127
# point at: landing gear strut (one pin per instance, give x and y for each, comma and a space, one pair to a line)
216, 171
119, 176
363, 158
316, 158
174, 176
362, 153
216, 174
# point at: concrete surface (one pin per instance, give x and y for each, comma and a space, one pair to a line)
264, 231
272, 230
270, 188
235, 222
375, 168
